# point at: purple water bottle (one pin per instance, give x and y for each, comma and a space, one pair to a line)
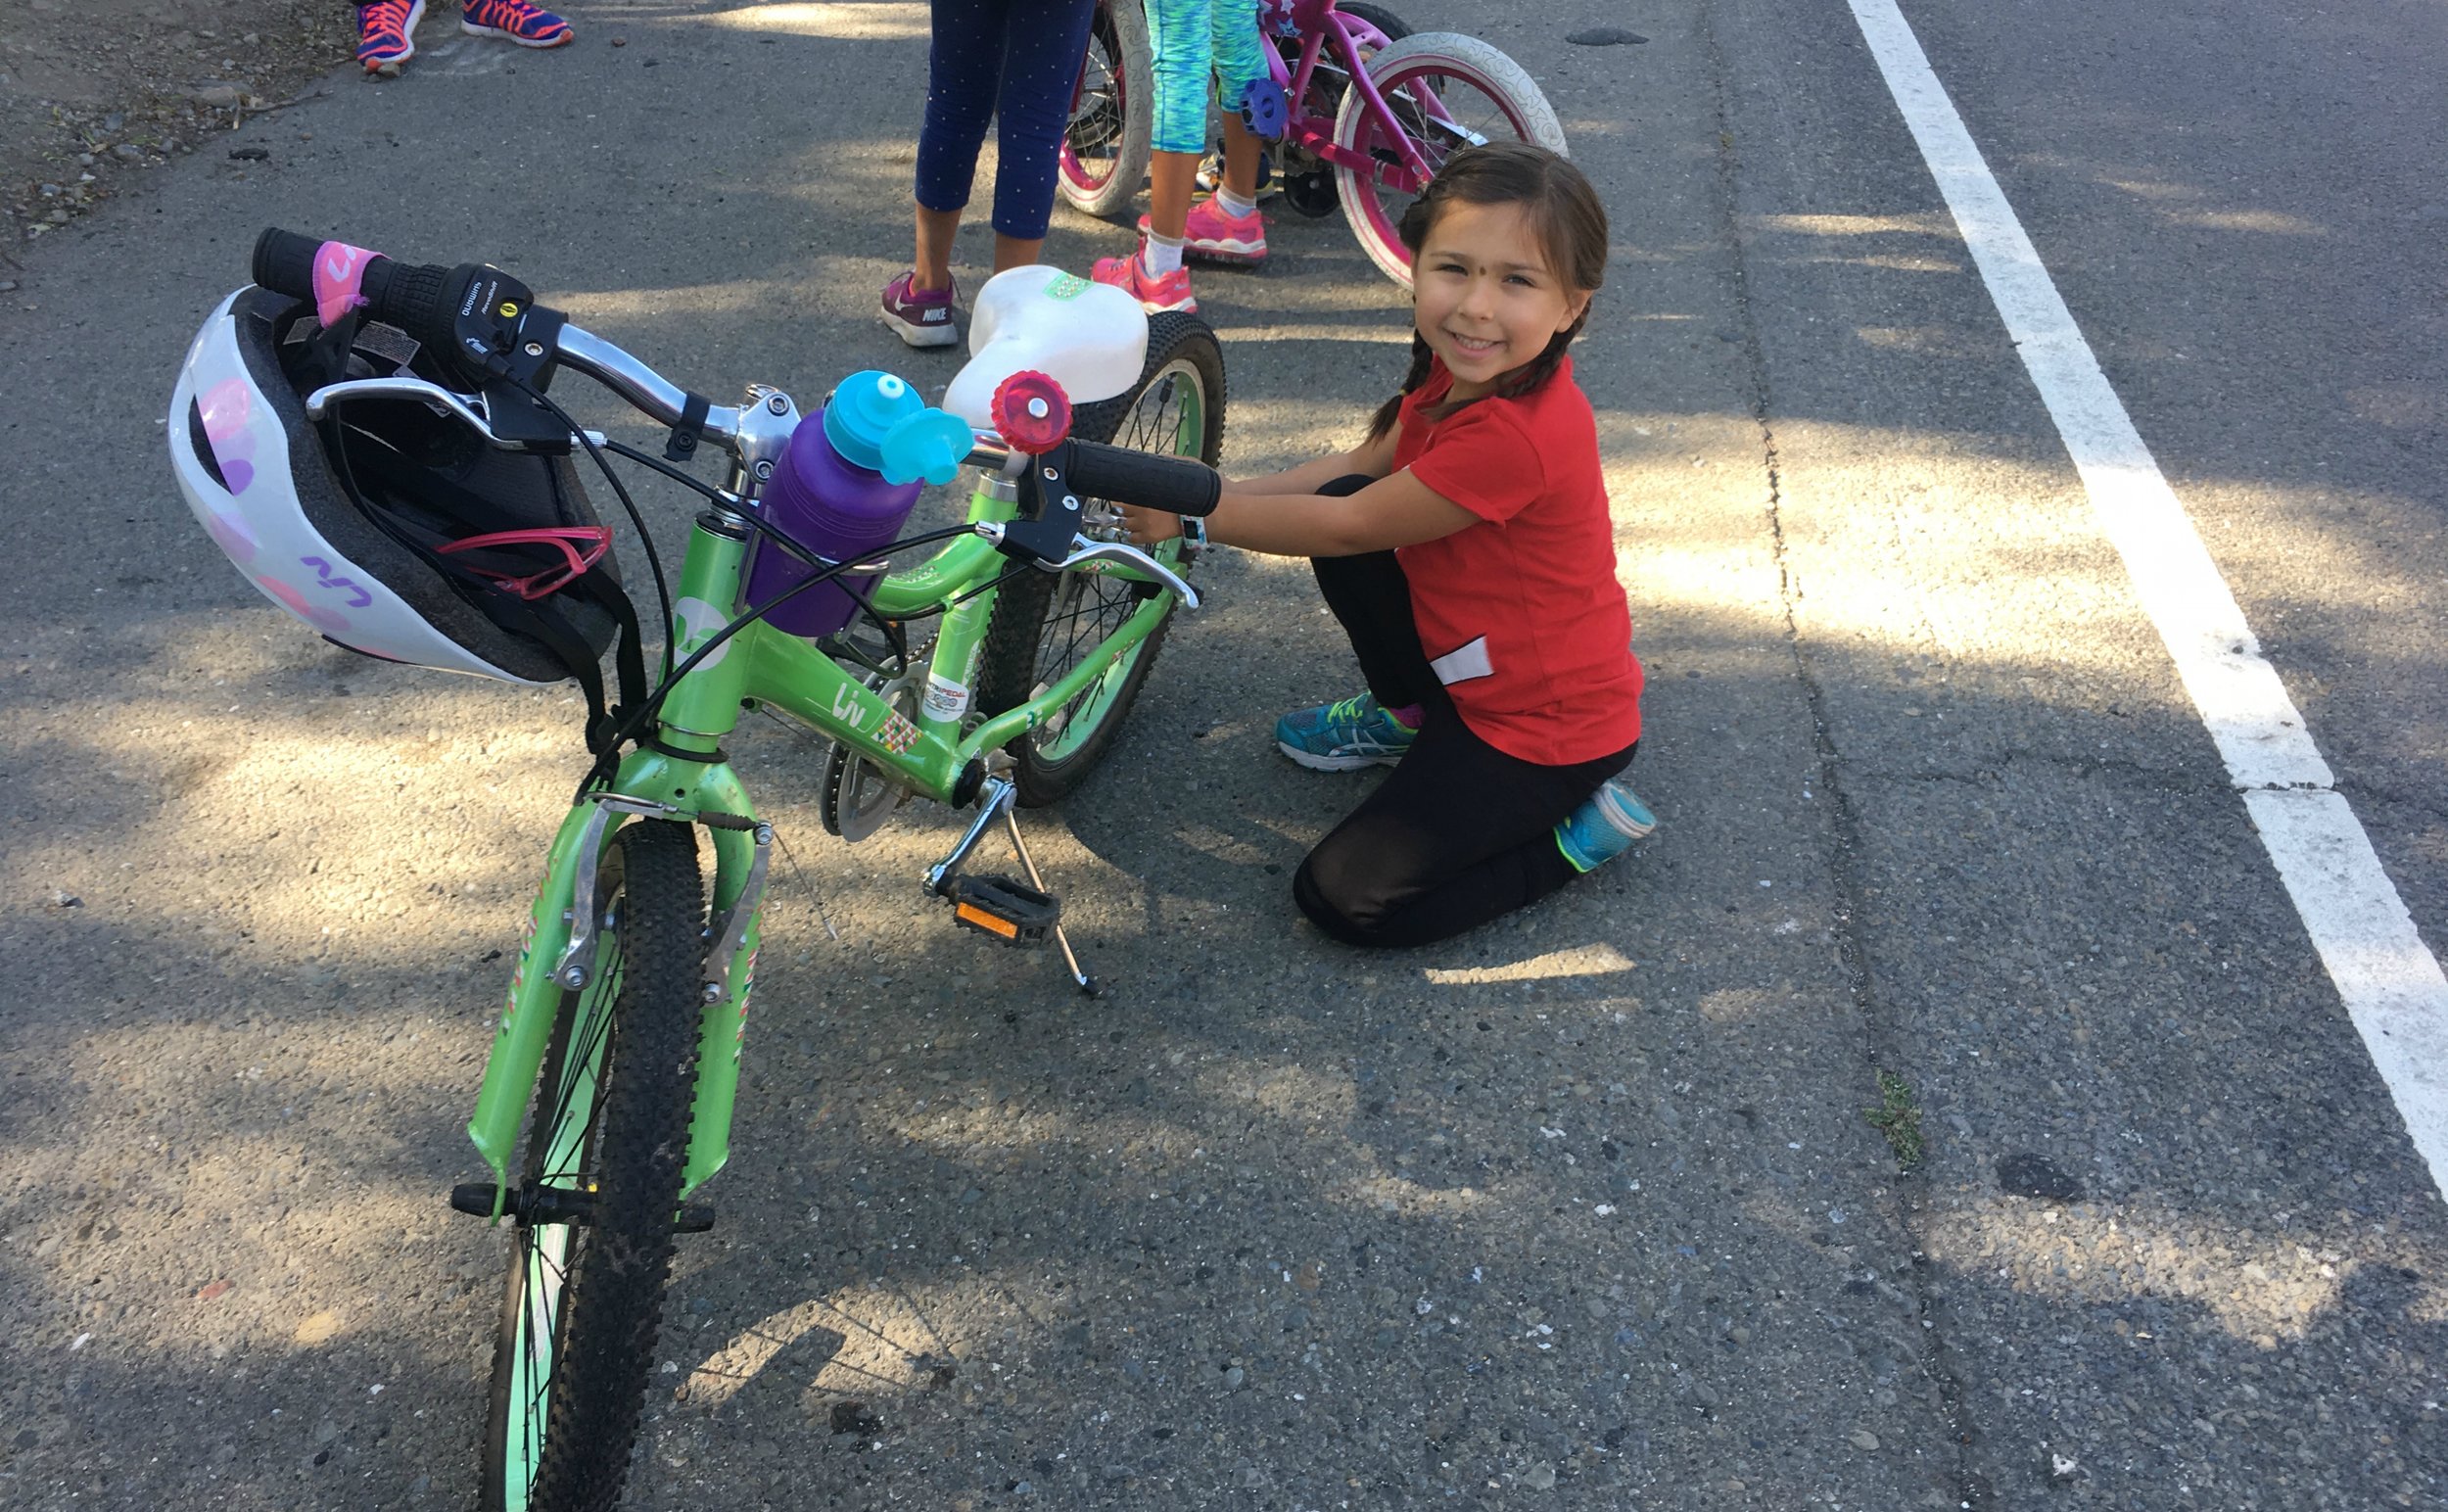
844, 487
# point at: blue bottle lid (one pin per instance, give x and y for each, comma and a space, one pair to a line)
930, 444
864, 409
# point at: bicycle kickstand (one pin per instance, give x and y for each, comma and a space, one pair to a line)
1029, 864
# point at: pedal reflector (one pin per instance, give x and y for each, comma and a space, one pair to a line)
1012, 911
977, 918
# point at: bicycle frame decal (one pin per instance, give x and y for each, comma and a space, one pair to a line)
518, 976
698, 623
898, 734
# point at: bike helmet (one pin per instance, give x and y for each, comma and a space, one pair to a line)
387, 528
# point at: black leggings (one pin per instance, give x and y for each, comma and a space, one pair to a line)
1459, 833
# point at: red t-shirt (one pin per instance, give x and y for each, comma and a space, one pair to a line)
1519, 613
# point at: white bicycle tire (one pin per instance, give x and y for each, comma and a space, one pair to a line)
1461, 57
1137, 63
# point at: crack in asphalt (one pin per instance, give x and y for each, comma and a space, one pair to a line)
1971, 1488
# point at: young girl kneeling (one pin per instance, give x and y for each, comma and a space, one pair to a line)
1467, 549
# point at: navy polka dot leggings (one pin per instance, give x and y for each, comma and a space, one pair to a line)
1016, 62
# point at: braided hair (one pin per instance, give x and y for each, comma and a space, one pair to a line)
1565, 215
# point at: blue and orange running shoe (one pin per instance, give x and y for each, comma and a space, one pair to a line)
1343, 735
386, 35
529, 26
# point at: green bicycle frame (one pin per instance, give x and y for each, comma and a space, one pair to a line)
683, 773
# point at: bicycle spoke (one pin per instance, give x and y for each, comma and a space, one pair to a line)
579, 1064
1093, 136
1437, 114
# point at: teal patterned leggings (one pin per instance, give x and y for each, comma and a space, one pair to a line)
1191, 39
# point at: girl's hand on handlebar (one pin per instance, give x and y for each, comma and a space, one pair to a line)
1149, 526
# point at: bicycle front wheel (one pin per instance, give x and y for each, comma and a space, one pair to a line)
605, 1151
1044, 624
1105, 143
1445, 92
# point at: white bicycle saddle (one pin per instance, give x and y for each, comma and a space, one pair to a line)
1091, 338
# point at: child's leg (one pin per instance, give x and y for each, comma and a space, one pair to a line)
1041, 63
963, 65
1458, 834
1239, 64
1181, 40
1372, 600
1182, 55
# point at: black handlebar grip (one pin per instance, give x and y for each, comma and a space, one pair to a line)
415, 296
284, 262
419, 297
1173, 485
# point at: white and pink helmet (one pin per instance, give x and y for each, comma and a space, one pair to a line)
355, 550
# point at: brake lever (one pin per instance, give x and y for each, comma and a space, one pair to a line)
1085, 550
433, 395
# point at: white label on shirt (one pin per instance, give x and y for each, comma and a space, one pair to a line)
1463, 664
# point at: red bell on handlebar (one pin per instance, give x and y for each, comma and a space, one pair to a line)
1031, 412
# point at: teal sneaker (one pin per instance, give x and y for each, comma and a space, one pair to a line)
1345, 735
1604, 825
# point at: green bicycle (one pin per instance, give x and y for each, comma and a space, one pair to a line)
619, 1045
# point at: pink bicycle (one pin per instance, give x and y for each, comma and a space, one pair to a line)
1362, 112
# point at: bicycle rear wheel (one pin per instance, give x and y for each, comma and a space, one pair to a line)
1445, 92
605, 1151
1046, 624
1105, 144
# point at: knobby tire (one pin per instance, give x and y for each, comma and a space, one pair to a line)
612, 1114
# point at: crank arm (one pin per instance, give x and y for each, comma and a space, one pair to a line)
993, 800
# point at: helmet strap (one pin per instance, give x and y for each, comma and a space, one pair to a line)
325, 360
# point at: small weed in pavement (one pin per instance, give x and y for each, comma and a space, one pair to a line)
1899, 1118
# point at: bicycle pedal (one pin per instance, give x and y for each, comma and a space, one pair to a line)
1014, 913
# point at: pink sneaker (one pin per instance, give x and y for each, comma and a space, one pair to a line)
1215, 235
1154, 294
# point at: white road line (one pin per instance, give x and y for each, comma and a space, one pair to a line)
2392, 985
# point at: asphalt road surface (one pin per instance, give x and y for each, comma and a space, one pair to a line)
1582, 1210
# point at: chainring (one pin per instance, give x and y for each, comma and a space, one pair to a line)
1312, 193
859, 795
